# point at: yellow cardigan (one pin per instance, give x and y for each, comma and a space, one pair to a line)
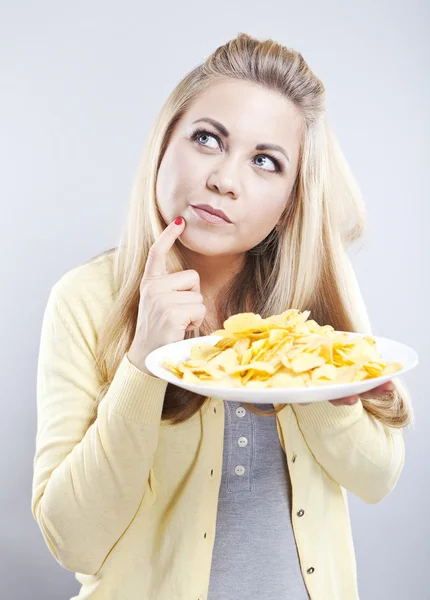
129, 503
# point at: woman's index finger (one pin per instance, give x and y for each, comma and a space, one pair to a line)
156, 262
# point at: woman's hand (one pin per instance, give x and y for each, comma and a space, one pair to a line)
377, 391
170, 303
350, 400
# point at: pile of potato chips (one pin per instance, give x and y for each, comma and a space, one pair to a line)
281, 351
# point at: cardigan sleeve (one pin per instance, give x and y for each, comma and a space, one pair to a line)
91, 464
359, 452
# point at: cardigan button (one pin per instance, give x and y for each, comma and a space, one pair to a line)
294, 458
301, 513
310, 570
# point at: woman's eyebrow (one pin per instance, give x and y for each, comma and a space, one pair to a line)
226, 134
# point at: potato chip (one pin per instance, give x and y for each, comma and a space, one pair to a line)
326, 371
203, 351
262, 367
285, 350
305, 362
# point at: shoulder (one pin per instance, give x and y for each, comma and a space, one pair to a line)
85, 294
92, 280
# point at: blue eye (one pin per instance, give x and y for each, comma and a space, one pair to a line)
204, 133
201, 133
274, 161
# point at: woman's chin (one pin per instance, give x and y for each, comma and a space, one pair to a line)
205, 242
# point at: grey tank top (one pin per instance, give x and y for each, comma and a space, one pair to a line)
255, 554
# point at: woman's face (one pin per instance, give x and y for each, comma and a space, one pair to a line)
222, 167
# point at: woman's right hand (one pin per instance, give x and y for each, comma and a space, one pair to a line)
169, 305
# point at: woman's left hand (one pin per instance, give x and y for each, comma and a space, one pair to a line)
350, 400
377, 391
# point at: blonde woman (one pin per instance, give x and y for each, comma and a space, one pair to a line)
243, 202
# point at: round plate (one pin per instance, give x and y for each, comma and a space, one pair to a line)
390, 350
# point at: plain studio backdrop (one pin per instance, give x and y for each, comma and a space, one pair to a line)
80, 87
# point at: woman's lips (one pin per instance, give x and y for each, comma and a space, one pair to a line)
208, 217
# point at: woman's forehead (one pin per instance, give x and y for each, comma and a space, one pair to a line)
248, 112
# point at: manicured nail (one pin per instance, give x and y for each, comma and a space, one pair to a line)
179, 221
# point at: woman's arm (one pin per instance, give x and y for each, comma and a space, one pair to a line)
91, 467
355, 449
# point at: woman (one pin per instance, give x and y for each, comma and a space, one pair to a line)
148, 491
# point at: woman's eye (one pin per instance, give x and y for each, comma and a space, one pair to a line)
202, 135
273, 161
199, 135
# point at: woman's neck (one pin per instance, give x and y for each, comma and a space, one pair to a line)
215, 271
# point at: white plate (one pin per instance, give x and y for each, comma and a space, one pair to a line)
390, 350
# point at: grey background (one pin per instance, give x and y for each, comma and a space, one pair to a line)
80, 87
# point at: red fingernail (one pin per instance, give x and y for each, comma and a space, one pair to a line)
179, 221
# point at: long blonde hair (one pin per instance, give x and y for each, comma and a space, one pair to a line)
302, 263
